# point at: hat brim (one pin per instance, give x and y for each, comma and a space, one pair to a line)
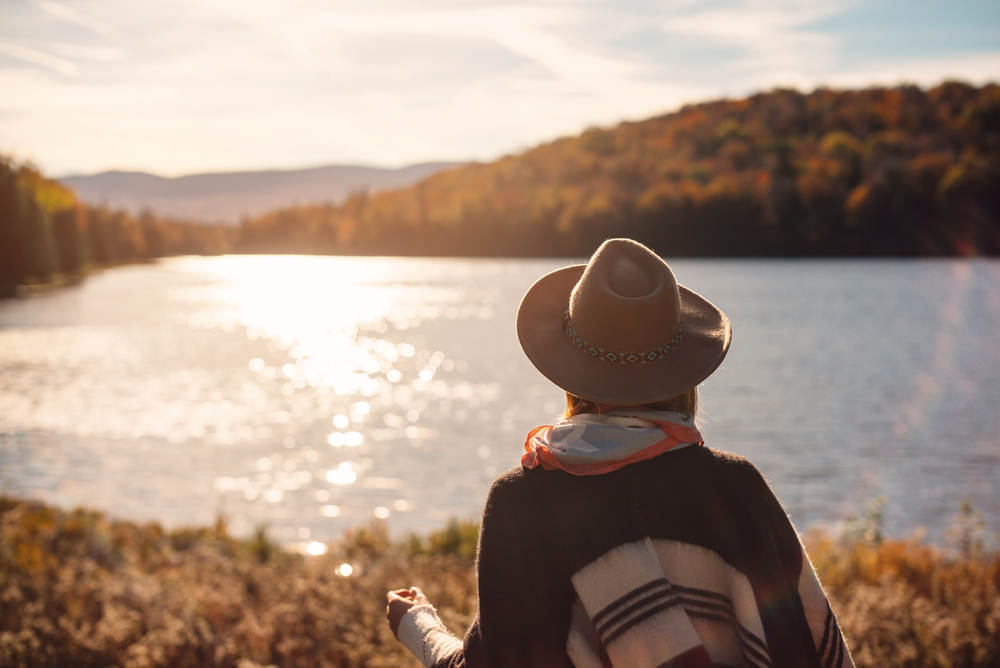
704, 344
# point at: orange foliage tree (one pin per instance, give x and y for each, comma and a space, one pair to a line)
881, 171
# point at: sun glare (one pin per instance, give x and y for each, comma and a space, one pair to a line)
342, 475
316, 308
315, 548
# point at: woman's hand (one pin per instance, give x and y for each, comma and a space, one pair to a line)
399, 603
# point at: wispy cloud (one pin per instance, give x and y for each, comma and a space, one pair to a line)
40, 58
976, 69
75, 16
217, 84
774, 37
97, 54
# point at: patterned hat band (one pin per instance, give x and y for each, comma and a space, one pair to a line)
619, 356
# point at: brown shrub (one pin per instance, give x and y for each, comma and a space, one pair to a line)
909, 605
79, 590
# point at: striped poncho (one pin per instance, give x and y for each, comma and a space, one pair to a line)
684, 559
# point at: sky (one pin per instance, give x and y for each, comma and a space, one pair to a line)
190, 86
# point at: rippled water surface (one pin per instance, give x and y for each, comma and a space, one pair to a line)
314, 393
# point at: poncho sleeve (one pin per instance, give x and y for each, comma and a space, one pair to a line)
524, 607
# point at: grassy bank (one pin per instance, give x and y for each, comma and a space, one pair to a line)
78, 589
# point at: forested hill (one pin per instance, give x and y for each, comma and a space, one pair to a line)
48, 236
876, 172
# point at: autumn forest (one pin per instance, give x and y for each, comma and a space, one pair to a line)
887, 172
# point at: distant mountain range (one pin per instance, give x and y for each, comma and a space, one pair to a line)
229, 196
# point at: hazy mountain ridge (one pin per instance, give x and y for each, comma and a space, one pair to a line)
227, 197
876, 172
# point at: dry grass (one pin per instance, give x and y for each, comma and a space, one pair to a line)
904, 604
77, 589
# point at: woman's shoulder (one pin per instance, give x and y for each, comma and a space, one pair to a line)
511, 481
518, 486
704, 467
732, 464
728, 460
514, 497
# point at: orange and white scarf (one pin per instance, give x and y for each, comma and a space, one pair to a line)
591, 444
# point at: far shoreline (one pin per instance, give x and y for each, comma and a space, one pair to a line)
40, 288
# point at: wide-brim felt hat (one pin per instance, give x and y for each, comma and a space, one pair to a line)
620, 330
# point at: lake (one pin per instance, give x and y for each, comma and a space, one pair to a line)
317, 393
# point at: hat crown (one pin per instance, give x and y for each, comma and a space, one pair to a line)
624, 343
628, 279
626, 299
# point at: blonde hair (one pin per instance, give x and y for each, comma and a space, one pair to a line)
685, 402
